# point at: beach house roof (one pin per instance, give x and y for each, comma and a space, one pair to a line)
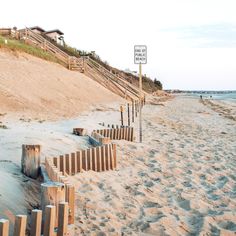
54, 31
37, 28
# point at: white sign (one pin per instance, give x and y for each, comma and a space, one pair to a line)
140, 54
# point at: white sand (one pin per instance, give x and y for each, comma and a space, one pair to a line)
179, 181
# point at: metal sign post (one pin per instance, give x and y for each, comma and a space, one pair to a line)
140, 57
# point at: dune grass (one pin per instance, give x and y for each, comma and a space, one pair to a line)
20, 46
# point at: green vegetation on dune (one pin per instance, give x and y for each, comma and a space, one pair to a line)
149, 85
16, 45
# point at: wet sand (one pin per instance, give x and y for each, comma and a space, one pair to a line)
179, 181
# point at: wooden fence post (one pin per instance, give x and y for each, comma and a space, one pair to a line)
79, 161
20, 225
4, 227
52, 193
133, 111
30, 160
68, 164
128, 115
70, 198
49, 223
121, 114
114, 154
63, 218
73, 164
36, 221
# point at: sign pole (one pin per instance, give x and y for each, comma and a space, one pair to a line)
140, 57
140, 103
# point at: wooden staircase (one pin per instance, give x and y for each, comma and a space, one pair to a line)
91, 68
110, 80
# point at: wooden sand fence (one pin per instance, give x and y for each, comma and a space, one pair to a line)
99, 158
118, 133
56, 216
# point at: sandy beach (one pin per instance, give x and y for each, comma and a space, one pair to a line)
179, 181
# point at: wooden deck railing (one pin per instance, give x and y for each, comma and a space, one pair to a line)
121, 87
36, 39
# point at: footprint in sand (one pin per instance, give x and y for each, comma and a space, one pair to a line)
183, 203
154, 218
195, 222
187, 184
214, 231
148, 184
228, 225
222, 180
149, 204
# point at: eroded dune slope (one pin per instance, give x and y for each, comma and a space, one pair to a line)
32, 86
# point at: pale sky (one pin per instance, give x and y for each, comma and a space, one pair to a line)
191, 43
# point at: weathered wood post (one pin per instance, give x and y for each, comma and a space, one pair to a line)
20, 225
70, 198
128, 115
30, 160
63, 219
133, 111
121, 114
4, 227
49, 221
36, 221
52, 193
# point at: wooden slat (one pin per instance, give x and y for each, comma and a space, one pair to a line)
79, 161
4, 227
20, 225
111, 157
62, 164
68, 164
71, 202
103, 154
114, 155
49, 222
73, 164
99, 159
89, 162
107, 157
84, 160
94, 159
63, 219
36, 221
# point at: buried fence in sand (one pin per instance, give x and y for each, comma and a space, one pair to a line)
56, 216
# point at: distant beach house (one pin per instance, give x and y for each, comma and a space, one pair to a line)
56, 35
37, 29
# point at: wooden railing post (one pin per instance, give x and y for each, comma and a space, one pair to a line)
20, 225
49, 221
4, 227
36, 221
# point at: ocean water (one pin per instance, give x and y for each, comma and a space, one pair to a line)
219, 95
